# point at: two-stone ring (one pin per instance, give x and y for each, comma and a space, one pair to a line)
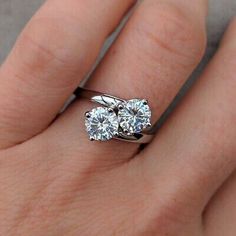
126, 120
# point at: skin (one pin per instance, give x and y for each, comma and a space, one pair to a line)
54, 181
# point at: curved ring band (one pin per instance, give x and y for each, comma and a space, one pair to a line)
116, 107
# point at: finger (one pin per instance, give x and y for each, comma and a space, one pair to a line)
51, 56
219, 217
155, 53
195, 151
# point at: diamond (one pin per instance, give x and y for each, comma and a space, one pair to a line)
134, 116
101, 124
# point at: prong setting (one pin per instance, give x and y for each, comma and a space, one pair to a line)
128, 118
101, 123
120, 107
126, 131
145, 102
135, 117
87, 114
110, 110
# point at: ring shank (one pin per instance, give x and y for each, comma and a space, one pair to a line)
85, 93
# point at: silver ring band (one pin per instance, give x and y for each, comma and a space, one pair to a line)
113, 104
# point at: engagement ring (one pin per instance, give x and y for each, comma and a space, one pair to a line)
126, 120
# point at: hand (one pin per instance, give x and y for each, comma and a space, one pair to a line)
54, 181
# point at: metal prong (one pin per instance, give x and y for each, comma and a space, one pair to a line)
87, 114
126, 131
120, 107
91, 139
110, 110
149, 125
145, 102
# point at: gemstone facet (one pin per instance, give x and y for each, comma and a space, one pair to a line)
101, 124
135, 116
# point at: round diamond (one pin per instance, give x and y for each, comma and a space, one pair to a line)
101, 124
134, 116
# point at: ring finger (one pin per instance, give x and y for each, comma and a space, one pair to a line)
156, 52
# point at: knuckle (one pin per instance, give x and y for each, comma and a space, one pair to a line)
41, 43
164, 210
166, 218
45, 48
172, 33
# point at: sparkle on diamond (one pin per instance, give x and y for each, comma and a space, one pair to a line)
102, 124
135, 116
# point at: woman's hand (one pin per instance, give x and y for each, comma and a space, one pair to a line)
54, 181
